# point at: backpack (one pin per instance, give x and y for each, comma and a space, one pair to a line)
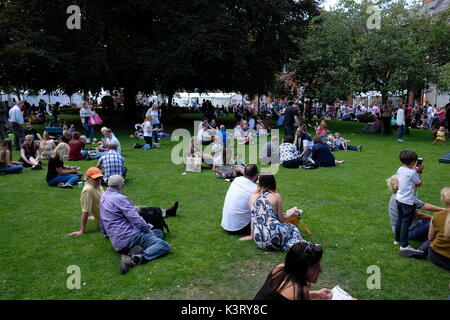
154, 217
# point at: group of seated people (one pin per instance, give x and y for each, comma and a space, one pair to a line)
432, 230
254, 209
128, 227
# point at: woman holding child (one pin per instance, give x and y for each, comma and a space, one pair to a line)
268, 229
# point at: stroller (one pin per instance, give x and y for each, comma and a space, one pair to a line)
139, 131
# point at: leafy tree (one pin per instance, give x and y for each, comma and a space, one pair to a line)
342, 55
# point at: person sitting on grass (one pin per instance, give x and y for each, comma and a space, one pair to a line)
6, 163
46, 146
322, 129
194, 149
56, 176
129, 233
112, 163
269, 230
322, 155
217, 150
341, 143
421, 222
30, 130
289, 156
292, 280
270, 152
439, 234
29, 153
66, 137
236, 215
90, 201
76, 146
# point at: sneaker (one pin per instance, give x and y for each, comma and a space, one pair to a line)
60, 185
360, 148
401, 140
410, 252
67, 186
396, 243
126, 262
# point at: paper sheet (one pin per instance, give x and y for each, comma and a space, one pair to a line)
340, 294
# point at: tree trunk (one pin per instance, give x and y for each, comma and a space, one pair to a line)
129, 96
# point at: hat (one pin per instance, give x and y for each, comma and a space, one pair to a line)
115, 180
94, 173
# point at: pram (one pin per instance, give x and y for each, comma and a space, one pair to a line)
54, 127
139, 131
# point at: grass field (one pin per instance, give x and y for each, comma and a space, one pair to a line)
345, 208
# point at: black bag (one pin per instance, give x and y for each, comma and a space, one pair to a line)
154, 217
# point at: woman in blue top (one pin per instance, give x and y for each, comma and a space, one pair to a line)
322, 155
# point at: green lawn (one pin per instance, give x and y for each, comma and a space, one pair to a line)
345, 208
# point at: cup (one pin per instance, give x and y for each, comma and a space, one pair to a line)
80, 184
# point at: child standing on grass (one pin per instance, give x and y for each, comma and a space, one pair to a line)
409, 179
148, 131
440, 135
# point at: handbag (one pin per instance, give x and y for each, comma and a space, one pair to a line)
97, 119
193, 164
393, 122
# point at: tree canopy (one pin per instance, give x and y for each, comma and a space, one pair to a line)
148, 45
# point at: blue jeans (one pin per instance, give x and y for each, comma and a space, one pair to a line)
420, 232
67, 179
152, 244
13, 169
401, 130
89, 130
98, 155
406, 214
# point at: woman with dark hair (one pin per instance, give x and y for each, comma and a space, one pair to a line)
321, 154
6, 163
289, 156
268, 229
292, 279
76, 146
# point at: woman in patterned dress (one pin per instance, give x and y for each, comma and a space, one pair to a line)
268, 229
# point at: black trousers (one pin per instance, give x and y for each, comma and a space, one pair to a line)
18, 134
387, 125
245, 231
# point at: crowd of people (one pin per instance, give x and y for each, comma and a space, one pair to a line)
252, 207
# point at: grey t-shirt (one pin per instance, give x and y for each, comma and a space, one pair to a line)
393, 213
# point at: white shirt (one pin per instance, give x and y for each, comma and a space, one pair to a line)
15, 115
113, 138
400, 117
407, 179
147, 129
203, 135
236, 212
85, 114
